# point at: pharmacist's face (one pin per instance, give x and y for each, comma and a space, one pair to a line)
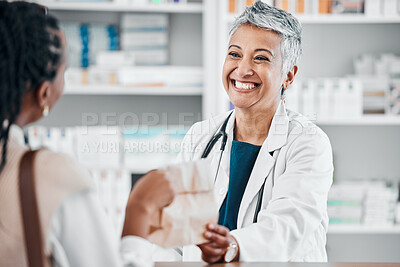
252, 72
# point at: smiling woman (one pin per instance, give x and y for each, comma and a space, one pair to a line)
252, 75
276, 168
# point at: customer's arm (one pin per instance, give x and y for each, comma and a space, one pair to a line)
82, 235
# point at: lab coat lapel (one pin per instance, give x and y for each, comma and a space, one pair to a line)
226, 157
277, 137
222, 181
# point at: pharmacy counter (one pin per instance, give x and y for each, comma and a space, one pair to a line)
272, 264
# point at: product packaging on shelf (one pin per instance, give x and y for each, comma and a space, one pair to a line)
326, 98
390, 7
85, 41
324, 95
114, 59
373, 8
146, 36
347, 6
394, 97
113, 188
345, 203
172, 76
308, 93
366, 202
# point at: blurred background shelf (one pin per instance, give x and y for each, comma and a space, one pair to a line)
113, 7
365, 120
125, 90
337, 19
343, 19
363, 229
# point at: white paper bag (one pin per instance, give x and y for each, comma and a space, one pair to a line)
184, 221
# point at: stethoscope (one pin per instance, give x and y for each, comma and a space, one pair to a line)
222, 133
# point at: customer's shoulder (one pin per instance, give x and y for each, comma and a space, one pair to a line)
61, 170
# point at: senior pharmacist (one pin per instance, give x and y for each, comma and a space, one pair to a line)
273, 167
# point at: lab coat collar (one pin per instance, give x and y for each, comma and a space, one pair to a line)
226, 157
277, 135
222, 181
278, 131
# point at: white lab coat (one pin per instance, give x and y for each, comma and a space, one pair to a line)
293, 220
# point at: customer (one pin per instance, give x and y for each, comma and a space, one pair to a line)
274, 175
74, 227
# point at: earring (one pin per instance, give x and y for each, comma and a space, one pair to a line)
45, 111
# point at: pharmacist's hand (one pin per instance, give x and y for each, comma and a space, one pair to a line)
218, 241
152, 192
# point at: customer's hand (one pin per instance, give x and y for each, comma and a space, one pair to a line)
218, 241
150, 194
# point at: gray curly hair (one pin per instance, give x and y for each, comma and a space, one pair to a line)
274, 19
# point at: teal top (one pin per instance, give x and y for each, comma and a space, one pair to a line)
243, 157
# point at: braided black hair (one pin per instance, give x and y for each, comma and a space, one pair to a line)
30, 53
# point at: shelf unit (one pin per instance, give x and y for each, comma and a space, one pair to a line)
179, 14
116, 7
372, 120
336, 19
125, 90
363, 229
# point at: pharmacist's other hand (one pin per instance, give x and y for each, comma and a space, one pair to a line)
152, 192
217, 242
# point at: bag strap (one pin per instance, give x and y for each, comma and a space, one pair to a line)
30, 211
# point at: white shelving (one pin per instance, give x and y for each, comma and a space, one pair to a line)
113, 7
125, 90
365, 120
346, 19
363, 229
337, 19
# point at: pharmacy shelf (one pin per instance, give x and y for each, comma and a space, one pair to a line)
337, 19
363, 229
346, 19
364, 120
113, 7
125, 90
